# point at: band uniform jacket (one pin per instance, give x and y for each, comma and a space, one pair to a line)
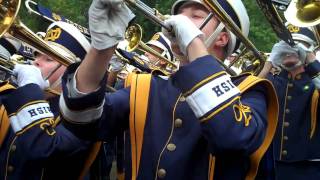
36, 145
297, 136
196, 112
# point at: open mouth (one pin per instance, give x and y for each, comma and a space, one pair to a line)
290, 62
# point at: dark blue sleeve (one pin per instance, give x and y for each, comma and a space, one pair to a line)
313, 69
97, 116
33, 123
231, 120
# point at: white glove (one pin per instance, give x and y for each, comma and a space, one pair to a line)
108, 20
184, 31
281, 48
116, 64
29, 74
4, 53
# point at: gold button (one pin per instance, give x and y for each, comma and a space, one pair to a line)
289, 97
290, 85
182, 99
298, 77
161, 173
13, 148
171, 147
284, 152
287, 111
285, 138
178, 123
10, 169
286, 124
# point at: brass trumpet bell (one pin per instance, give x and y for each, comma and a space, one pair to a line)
303, 13
133, 36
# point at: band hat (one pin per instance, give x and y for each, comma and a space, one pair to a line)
41, 34
177, 5
67, 40
161, 41
27, 51
304, 34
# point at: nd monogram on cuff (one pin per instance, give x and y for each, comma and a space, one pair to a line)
211, 95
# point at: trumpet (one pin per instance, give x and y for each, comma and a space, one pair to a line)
133, 36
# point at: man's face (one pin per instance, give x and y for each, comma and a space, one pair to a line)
47, 65
197, 14
153, 59
289, 61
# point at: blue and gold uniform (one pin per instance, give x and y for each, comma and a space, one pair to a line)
37, 145
197, 113
33, 143
294, 153
296, 144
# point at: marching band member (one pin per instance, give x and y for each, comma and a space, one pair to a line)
33, 142
295, 76
162, 45
180, 126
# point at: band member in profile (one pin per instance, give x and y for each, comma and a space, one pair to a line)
34, 143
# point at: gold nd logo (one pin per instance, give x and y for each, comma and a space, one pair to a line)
155, 37
56, 17
53, 34
293, 29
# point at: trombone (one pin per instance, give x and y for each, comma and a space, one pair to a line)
10, 23
158, 18
224, 17
152, 14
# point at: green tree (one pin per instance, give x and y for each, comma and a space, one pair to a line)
261, 33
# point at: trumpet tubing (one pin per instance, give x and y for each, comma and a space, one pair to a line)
134, 36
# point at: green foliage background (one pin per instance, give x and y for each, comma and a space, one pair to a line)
261, 33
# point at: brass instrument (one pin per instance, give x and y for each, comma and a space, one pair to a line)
305, 13
7, 66
33, 6
224, 17
248, 62
29, 3
134, 35
150, 13
10, 23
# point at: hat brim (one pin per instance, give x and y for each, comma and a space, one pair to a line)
60, 50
